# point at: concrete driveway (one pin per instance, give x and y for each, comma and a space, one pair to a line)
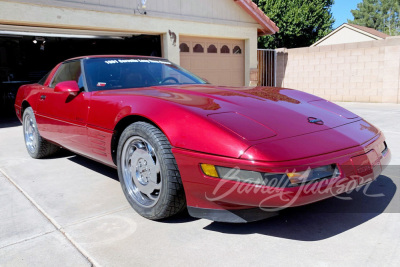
70, 211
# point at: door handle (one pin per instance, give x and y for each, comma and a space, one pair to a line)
42, 97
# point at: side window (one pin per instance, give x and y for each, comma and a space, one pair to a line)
43, 80
70, 71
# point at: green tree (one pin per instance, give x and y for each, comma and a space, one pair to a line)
301, 23
382, 15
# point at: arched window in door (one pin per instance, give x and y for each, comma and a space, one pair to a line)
212, 49
225, 49
237, 50
184, 48
198, 48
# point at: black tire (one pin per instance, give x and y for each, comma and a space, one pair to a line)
142, 137
36, 146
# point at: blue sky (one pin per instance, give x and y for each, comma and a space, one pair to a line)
341, 11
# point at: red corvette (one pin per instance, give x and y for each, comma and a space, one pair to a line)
226, 154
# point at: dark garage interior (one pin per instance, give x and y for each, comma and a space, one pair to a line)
26, 59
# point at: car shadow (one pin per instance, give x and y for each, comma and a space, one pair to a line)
323, 219
62, 153
182, 217
94, 166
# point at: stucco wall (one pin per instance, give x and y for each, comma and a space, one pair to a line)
346, 35
362, 72
214, 19
211, 11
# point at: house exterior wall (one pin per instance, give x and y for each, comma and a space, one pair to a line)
209, 11
206, 18
360, 72
346, 35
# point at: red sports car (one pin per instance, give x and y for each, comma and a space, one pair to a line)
226, 154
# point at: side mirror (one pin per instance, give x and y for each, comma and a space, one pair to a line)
70, 87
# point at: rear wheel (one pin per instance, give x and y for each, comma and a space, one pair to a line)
37, 146
148, 172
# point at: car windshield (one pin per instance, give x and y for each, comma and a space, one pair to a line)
122, 73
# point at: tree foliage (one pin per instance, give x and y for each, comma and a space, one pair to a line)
382, 15
301, 23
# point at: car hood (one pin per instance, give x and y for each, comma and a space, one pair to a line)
253, 113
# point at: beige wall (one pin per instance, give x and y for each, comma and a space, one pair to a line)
362, 72
211, 11
205, 18
346, 35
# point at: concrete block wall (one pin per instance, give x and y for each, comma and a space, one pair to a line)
356, 72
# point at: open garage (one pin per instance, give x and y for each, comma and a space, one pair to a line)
28, 53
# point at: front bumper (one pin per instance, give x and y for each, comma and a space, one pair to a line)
225, 200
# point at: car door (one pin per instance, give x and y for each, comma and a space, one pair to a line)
61, 115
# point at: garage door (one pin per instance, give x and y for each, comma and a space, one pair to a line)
219, 61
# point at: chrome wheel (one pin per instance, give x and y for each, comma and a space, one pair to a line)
36, 146
141, 171
30, 133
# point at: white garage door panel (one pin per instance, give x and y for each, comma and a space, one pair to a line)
220, 61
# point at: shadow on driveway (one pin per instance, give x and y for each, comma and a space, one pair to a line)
95, 166
323, 219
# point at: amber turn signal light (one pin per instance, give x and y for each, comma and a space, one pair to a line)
209, 170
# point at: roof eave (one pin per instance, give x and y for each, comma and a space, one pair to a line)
268, 27
349, 26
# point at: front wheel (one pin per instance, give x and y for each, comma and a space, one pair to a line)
37, 146
148, 172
